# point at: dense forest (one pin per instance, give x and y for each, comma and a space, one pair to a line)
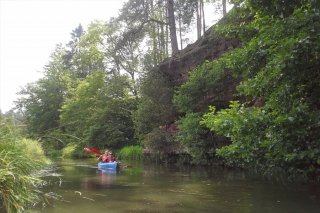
255, 104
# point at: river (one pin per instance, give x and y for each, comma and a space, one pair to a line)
77, 186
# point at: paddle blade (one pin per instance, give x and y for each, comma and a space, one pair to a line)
96, 151
89, 150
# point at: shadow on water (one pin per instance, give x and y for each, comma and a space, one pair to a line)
78, 186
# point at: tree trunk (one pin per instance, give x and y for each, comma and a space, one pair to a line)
198, 21
224, 7
203, 18
172, 27
180, 30
154, 39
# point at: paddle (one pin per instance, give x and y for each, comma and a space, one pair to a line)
89, 150
123, 166
96, 151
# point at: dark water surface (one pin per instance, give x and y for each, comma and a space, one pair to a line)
76, 186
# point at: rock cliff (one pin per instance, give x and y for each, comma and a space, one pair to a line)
208, 47
205, 48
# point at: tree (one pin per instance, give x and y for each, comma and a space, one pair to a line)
106, 47
185, 10
140, 15
69, 59
224, 7
43, 99
172, 27
100, 112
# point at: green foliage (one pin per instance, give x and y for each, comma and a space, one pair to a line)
281, 64
33, 149
104, 111
131, 152
80, 100
42, 100
159, 141
268, 140
18, 160
155, 106
207, 84
84, 98
274, 7
199, 141
68, 151
83, 101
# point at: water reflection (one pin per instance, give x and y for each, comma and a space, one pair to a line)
104, 179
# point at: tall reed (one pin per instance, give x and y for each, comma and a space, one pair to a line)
19, 158
131, 152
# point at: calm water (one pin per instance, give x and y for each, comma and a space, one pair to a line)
77, 186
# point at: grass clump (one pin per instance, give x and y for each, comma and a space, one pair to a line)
19, 158
131, 152
68, 151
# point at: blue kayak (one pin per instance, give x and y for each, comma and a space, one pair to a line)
110, 165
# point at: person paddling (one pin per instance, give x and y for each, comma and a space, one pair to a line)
104, 157
110, 157
107, 157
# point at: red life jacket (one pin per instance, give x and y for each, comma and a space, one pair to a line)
110, 158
